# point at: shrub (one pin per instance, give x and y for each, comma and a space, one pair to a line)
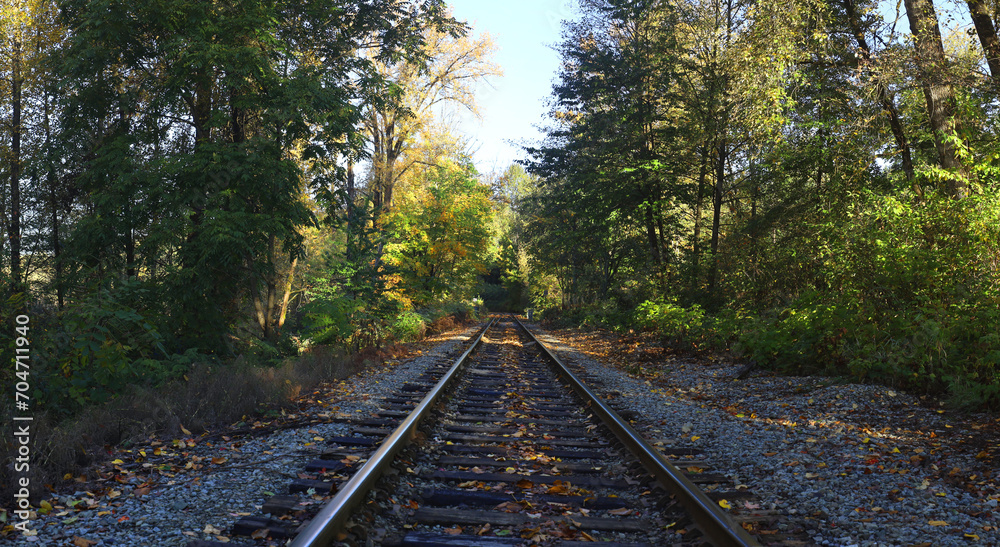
409, 327
676, 324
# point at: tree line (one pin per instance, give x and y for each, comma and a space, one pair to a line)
192, 181
804, 183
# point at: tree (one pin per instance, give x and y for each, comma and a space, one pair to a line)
455, 65
441, 241
212, 119
933, 76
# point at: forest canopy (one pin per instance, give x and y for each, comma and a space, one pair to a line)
804, 183
199, 181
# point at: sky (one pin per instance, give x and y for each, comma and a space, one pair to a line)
525, 32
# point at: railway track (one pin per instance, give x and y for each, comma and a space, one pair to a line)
504, 446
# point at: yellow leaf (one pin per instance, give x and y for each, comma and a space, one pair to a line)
44, 507
695, 438
971, 536
937, 523
185, 431
116, 462
866, 440
725, 504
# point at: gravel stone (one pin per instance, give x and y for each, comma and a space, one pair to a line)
179, 506
806, 446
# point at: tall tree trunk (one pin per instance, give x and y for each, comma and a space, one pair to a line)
51, 181
201, 113
938, 92
287, 294
15, 168
720, 179
351, 198
699, 199
130, 270
987, 37
265, 305
886, 100
651, 235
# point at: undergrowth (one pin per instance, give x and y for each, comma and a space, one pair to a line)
946, 351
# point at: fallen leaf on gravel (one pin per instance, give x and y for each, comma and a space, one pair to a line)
937, 523
620, 512
209, 529
219, 461
260, 533
83, 542
453, 531
724, 504
524, 483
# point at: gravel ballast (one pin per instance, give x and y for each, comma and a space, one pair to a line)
850, 464
196, 489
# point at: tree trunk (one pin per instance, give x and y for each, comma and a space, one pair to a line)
350, 195
987, 36
201, 113
15, 168
696, 248
130, 270
720, 178
651, 235
287, 295
51, 181
938, 93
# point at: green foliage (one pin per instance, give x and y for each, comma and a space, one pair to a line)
441, 244
670, 320
409, 327
101, 345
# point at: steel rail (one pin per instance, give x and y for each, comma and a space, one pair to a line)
324, 527
710, 518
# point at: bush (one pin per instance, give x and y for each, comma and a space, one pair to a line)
676, 324
409, 327
101, 346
